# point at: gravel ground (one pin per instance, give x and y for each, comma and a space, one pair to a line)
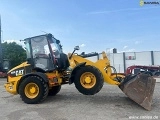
109, 104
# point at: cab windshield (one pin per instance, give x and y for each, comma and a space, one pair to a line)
42, 51
40, 46
55, 47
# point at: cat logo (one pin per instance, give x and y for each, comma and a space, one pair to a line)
18, 72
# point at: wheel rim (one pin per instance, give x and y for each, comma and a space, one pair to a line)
88, 80
31, 90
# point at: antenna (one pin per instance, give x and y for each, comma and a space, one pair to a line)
44, 31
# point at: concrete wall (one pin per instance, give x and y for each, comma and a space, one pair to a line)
116, 60
156, 55
94, 58
141, 58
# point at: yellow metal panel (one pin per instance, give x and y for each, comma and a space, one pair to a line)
11, 85
19, 66
100, 64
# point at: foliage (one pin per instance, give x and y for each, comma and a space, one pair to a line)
14, 53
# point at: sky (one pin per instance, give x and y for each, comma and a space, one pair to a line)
95, 25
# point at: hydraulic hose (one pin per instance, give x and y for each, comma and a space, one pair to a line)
115, 71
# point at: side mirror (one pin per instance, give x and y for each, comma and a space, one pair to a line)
76, 48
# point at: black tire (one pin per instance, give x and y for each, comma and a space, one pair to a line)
98, 77
40, 84
148, 73
54, 90
157, 74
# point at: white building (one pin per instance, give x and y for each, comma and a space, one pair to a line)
122, 60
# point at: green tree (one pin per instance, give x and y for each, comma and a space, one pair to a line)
14, 53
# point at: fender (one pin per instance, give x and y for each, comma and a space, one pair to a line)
71, 78
42, 75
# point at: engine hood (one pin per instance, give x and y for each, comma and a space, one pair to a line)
24, 64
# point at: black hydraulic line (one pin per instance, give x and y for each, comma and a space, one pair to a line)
89, 55
115, 71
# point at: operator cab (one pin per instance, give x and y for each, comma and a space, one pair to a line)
45, 53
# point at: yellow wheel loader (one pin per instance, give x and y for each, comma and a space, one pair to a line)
47, 68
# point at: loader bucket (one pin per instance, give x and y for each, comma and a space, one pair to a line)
139, 88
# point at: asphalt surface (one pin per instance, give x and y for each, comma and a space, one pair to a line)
109, 104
